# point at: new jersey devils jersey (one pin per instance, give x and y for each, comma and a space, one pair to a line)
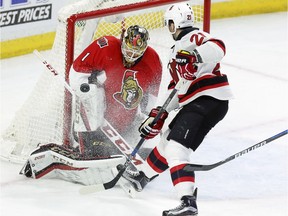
208, 78
126, 89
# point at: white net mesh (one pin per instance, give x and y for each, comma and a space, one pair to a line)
41, 118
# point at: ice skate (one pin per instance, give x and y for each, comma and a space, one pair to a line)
188, 207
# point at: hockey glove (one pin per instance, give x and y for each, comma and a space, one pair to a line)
149, 131
186, 64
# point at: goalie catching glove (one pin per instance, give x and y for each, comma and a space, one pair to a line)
186, 64
149, 131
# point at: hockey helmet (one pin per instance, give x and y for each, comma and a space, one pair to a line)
181, 14
134, 43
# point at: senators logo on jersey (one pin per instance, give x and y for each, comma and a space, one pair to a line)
131, 93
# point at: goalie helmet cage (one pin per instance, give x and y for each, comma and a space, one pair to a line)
46, 116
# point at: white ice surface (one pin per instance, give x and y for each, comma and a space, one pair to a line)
253, 185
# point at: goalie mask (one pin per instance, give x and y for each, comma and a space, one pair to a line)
134, 43
181, 14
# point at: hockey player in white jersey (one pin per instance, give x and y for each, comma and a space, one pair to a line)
202, 103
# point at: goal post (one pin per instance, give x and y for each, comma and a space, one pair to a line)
46, 116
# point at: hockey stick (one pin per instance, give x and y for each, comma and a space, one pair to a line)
122, 167
198, 167
52, 70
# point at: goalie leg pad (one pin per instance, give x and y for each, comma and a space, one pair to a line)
55, 161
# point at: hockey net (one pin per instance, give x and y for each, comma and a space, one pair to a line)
45, 117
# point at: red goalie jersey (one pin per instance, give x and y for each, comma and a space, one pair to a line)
126, 89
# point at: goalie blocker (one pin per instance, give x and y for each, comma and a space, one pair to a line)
55, 161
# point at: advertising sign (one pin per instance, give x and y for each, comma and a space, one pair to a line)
23, 18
